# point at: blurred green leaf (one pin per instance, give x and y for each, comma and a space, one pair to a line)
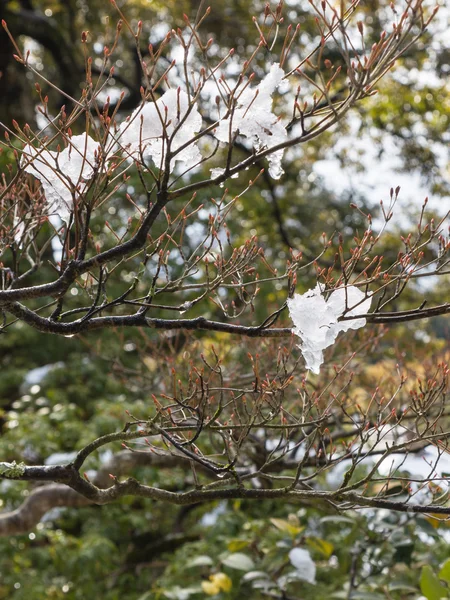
200, 561
430, 585
236, 545
238, 561
286, 527
322, 546
444, 573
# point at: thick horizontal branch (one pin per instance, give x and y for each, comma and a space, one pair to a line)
137, 320
57, 495
197, 324
414, 314
70, 489
85, 492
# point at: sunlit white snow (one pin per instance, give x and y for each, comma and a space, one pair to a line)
316, 319
303, 563
63, 175
253, 118
154, 125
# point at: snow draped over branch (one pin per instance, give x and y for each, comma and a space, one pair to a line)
316, 319
150, 127
253, 118
172, 120
63, 175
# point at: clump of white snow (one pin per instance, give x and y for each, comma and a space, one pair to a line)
63, 174
150, 127
303, 563
19, 230
316, 319
217, 172
253, 118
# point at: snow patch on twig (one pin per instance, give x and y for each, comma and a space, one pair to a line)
151, 127
63, 175
253, 118
316, 319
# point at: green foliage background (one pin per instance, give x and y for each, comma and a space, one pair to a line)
140, 550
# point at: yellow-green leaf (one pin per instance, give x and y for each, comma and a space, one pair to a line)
322, 546
236, 545
444, 573
430, 585
287, 527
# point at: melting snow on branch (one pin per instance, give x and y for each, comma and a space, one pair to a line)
63, 173
173, 119
150, 128
253, 118
316, 319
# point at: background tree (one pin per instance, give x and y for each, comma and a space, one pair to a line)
103, 243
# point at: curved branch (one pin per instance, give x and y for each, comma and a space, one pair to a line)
38, 503
414, 314
134, 488
78, 491
57, 495
76, 268
139, 319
